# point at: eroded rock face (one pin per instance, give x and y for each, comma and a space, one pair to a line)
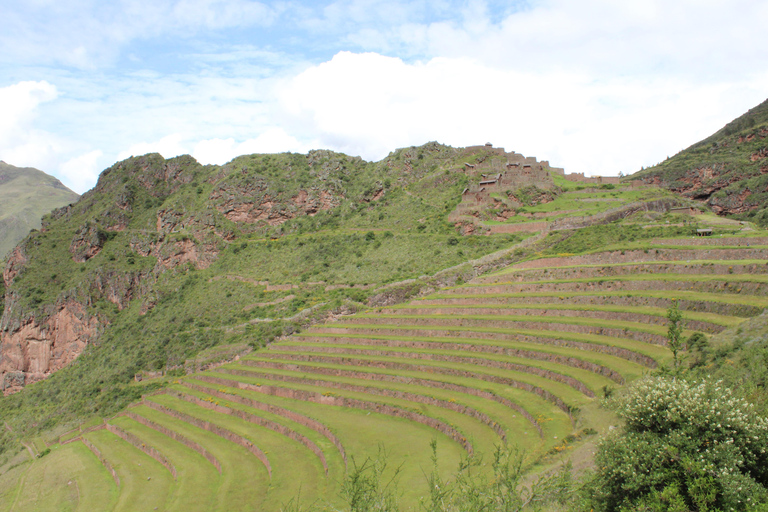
86, 243
253, 204
15, 264
32, 351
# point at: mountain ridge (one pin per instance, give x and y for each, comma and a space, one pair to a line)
26, 194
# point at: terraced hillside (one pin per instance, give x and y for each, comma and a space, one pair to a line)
517, 356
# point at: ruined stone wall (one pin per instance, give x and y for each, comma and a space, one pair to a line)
522, 227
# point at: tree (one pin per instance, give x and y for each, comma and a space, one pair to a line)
675, 334
684, 446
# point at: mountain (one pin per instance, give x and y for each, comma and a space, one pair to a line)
728, 170
26, 194
165, 258
251, 335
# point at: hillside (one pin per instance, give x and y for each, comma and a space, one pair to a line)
26, 195
728, 171
222, 337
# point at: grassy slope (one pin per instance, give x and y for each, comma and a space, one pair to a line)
26, 195
735, 172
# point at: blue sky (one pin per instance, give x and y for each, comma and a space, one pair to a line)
595, 86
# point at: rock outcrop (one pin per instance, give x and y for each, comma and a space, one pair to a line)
32, 350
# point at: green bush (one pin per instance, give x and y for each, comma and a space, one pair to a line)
684, 446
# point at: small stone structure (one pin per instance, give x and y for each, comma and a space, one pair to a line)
578, 177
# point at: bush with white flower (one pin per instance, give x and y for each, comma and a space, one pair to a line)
684, 446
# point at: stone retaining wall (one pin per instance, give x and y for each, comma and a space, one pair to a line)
541, 372
175, 436
390, 365
721, 308
721, 285
262, 422
309, 396
279, 411
540, 274
694, 325
215, 429
382, 377
467, 347
102, 459
709, 241
621, 352
634, 256
149, 450
636, 335
370, 390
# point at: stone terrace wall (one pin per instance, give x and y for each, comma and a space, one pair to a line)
215, 429
370, 390
279, 411
104, 461
258, 420
547, 374
176, 437
149, 450
309, 396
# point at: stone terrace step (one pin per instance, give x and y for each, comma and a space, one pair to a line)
725, 304
703, 284
703, 267
415, 308
552, 366
713, 241
637, 255
630, 330
543, 342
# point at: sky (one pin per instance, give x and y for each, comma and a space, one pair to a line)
595, 86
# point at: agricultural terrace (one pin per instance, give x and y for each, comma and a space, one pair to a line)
517, 356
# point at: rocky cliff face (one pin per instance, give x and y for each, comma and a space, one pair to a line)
33, 349
727, 170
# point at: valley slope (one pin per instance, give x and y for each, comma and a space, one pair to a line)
26, 195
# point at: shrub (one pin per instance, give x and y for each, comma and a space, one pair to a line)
684, 446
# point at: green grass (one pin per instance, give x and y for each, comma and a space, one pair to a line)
69, 478
722, 320
513, 422
654, 351
590, 322
144, 482
590, 379
726, 298
197, 481
363, 432
291, 462
243, 481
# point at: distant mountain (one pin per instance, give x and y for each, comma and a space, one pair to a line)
26, 194
728, 170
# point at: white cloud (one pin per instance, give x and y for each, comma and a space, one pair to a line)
220, 151
169, 146
81, 172
21, 143
369, 104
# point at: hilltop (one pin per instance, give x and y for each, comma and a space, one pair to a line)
26, 194
727, 171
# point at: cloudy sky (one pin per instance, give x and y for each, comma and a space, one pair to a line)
595, 86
